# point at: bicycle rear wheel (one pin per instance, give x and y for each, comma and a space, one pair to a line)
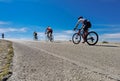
76, 38
92, 38
51, 38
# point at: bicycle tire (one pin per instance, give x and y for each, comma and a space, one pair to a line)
92, 38
51, 38
76, 38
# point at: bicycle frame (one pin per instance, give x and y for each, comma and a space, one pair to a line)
79, 31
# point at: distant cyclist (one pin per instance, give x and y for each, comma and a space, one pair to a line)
49, 31
86, 24
3, 35
35, 35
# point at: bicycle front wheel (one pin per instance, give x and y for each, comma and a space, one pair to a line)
92, 38
76, 38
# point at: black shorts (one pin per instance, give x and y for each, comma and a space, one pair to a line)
87, 24
86, 28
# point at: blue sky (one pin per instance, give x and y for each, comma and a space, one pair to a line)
20, 18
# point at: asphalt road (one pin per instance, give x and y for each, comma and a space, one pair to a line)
64, 61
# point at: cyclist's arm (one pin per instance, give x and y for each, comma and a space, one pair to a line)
77, 24
83, 26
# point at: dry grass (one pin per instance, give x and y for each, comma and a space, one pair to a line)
6, 54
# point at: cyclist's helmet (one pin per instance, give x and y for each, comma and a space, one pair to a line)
80, 17
48, 28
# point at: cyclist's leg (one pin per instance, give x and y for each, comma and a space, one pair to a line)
34, 37
85, 32
47, 35
50, 35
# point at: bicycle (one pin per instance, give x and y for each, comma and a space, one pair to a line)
49, 37
35, 37
91, 38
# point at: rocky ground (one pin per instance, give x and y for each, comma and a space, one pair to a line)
6, 54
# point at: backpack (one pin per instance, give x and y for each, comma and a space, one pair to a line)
35, 34
87, 23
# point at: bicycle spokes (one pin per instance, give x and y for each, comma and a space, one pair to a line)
92, 38
76, 38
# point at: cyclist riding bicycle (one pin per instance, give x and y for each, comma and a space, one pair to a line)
35, 35
49, 31
85, 26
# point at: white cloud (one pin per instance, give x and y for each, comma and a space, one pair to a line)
4, 30
62, 37
41, 35
23, 30
68, 32
112, 36
4, 23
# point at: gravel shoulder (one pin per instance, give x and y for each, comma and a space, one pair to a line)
6, 54
41, 61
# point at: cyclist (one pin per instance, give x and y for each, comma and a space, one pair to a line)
3, 35
49, 31
85, 25
35, 35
